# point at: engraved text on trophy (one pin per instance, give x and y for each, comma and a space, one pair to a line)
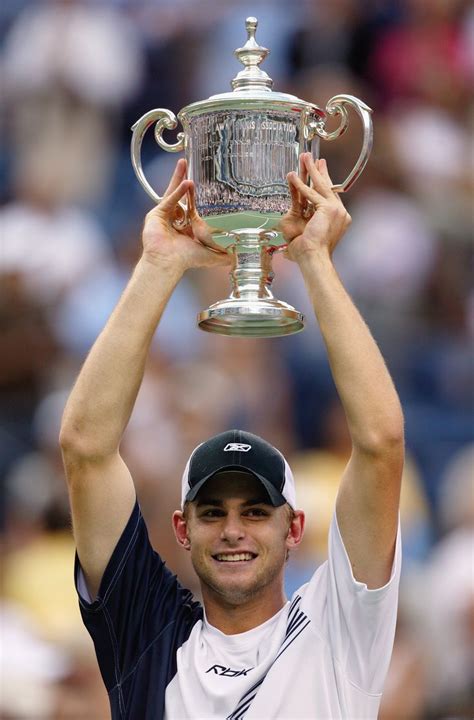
239, 161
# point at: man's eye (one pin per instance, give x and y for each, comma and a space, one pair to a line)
212, 513
256, 512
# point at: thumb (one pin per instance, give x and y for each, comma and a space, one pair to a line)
210, 257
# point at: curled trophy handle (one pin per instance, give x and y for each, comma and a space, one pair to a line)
165, 119
337, 106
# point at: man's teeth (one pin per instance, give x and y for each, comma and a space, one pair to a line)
234, 557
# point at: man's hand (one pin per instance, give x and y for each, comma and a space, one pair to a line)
307, 231
181, 249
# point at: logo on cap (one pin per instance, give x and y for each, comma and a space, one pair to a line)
239, 447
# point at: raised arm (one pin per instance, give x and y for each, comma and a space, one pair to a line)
101, 490
368, 498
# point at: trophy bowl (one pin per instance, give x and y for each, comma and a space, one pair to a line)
240, 147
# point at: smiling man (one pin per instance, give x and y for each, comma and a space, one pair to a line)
239, 523
246, 651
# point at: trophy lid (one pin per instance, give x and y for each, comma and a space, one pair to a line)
252, 87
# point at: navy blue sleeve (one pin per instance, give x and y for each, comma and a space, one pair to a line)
140, 617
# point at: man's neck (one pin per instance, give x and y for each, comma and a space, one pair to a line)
233, 619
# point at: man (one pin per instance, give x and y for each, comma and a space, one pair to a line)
246, 652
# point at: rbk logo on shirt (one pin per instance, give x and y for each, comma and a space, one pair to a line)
237, 447
227, 672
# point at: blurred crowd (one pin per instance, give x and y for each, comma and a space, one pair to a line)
76, 75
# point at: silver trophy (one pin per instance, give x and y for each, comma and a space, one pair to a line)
240, 147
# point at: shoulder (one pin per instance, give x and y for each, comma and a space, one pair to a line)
334, 586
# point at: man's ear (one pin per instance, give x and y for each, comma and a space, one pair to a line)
180, 527
296, 529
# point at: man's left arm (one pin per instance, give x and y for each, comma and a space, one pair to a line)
368, 499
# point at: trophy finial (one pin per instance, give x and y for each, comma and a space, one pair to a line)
251, 55
251, 27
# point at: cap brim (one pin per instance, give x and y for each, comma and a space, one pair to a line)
275, 497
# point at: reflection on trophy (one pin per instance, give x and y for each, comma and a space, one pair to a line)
240, 147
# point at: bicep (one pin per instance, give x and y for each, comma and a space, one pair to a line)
102, 496
367, 514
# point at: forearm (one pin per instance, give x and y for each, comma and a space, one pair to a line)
363, 382
103, 397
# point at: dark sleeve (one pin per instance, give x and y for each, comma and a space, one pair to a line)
140, 604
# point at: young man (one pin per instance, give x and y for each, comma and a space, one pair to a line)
246, 652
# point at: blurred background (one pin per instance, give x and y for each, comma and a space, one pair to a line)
76, 75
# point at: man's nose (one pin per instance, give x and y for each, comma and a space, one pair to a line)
233, 528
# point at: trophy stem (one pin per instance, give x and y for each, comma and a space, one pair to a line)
252, 274
251, 310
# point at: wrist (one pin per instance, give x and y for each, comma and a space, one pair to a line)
157, 264
314, 259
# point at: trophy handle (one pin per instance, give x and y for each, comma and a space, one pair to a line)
337, 106
165, 119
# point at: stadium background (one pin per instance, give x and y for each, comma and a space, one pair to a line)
76, 75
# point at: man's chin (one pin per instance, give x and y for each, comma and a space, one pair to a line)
232, 591
236, 595
235, 587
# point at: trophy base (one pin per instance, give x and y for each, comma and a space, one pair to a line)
254, 318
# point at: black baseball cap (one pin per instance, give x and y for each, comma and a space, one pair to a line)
245, 452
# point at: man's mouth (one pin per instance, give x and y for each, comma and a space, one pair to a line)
234, 557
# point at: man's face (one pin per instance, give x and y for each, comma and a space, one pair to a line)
238, 540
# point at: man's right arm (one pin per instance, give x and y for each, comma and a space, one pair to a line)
101, 489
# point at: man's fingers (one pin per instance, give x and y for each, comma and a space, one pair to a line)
209, 256
170, 201
306, 192
178, 175
319, 176
192, 210
323, 169
303, 169
303, 174
294, 194
221, 258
